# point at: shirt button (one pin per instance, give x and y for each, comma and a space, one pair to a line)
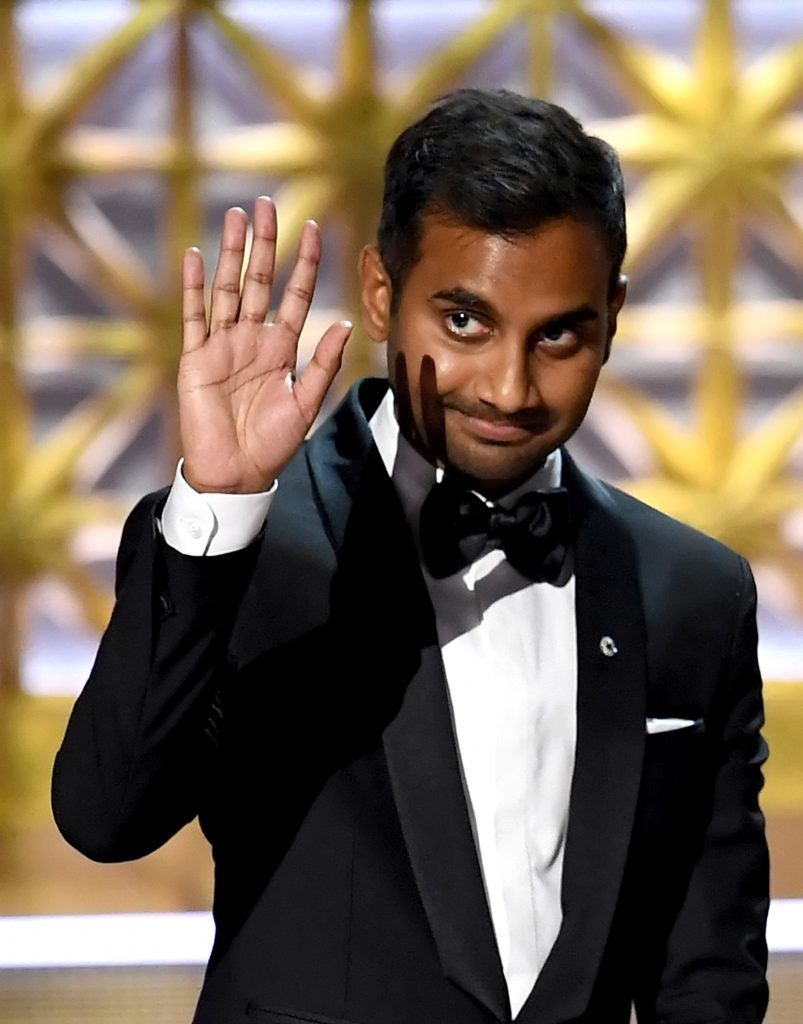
194, 528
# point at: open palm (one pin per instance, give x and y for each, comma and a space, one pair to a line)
242, 412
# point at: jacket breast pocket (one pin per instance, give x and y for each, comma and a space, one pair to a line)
274, 1015
677, 782
677, 758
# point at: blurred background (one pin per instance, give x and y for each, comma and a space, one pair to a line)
126, 130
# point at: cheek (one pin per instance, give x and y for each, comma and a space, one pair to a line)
451, 370
566, 386
423, 370
435, 366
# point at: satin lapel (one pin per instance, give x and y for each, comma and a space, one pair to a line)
610, 747
378, 574
424, 771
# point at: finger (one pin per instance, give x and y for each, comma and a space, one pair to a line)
226, 284
299, 290
193, 308
255, 300
311, 387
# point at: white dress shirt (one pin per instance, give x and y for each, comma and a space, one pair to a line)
509, 653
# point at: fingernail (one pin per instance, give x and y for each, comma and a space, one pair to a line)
347, 324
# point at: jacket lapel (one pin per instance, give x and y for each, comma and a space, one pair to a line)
424, 771
379, 573
610, 747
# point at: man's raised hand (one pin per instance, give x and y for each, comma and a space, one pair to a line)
243, 414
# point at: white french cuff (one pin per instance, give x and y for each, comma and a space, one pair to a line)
212, 523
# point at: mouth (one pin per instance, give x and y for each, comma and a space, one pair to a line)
500, 431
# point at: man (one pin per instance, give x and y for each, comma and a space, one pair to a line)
474, 736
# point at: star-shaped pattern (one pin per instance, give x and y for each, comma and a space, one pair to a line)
711, 152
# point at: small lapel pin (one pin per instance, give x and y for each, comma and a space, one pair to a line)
608, 646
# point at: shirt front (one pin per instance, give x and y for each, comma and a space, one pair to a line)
509, 654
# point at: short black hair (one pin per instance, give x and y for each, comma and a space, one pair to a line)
501, 162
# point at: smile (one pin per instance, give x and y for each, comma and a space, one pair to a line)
497, 430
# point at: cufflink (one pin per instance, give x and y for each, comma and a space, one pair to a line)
608, 646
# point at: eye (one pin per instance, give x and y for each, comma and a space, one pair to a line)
558, 335
463, 324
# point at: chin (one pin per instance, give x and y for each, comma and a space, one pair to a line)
493, 474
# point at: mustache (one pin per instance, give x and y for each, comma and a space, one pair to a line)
523, 419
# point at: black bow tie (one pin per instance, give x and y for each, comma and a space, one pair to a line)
457, 526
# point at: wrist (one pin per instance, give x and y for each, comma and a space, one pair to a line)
251, 486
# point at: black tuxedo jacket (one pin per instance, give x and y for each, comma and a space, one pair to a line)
292, 695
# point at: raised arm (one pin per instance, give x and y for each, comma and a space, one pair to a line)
134, 763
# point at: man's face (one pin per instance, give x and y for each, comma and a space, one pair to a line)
496, 345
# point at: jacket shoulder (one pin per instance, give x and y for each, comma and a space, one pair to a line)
675, 554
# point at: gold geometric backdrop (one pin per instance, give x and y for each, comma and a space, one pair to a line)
128, 127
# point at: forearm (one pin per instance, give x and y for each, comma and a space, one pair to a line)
136, 749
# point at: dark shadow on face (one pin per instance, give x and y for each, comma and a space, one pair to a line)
432, 412
430, 438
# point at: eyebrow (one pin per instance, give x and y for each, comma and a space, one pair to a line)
470, 301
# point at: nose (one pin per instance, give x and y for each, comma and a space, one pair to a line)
506, 382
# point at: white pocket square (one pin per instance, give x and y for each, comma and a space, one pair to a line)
655, 725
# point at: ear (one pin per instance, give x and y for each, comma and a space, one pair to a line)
615, 303
377, 293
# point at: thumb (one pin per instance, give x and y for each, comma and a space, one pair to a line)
311, 387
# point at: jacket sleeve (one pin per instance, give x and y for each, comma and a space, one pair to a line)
716, 956
139, 743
